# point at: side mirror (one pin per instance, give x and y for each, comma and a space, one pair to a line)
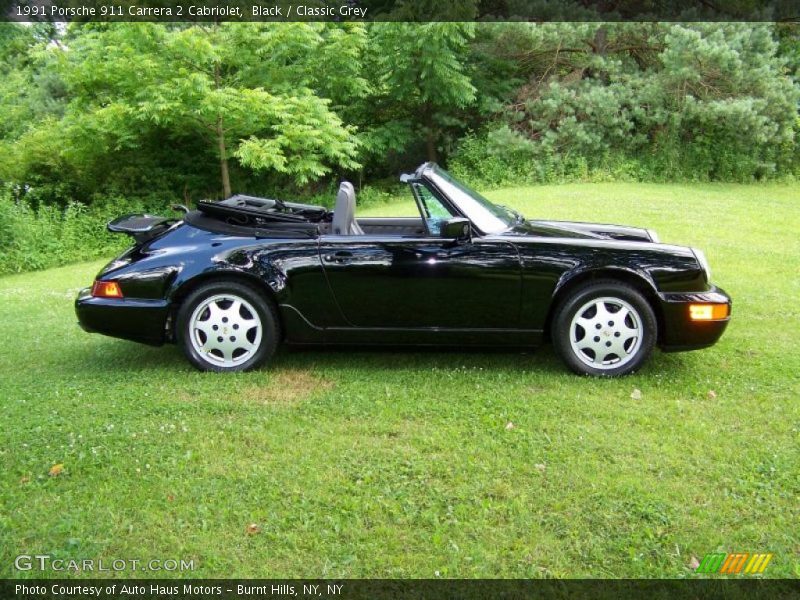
457, 228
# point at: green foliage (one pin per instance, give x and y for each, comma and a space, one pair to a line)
422, 88
305, 139
684, 102
503, 156
192, 111
150, 108
225, 82
47, 236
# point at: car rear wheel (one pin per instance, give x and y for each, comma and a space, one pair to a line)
227, 326
605, 328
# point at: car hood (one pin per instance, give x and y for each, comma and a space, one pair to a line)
577, 229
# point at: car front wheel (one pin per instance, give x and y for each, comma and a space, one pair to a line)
227, 326
605, 328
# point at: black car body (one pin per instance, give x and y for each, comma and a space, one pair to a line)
464, 272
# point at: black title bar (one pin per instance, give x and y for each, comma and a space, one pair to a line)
397, 10
399, 589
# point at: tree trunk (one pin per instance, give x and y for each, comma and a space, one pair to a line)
223, 151
430, 136
430, 144
600, 41
223, 160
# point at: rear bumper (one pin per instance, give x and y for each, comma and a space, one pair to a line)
137, 320
679, 332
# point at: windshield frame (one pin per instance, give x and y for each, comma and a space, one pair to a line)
485, 215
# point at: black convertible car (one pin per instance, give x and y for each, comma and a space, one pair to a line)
231, 280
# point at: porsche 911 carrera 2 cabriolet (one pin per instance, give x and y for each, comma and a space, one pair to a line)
233, 279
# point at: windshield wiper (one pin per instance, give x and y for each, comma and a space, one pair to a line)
518, 218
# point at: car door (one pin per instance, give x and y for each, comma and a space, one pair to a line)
423, 282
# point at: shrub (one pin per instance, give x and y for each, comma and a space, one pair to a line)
501, 157
48, 236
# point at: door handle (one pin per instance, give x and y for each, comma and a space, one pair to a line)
339, 257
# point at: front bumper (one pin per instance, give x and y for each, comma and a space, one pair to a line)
138, 320
679, 332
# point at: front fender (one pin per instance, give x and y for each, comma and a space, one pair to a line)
587, 272
551, 267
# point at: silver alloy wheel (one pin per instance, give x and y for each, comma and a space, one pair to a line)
225, 330
606, 333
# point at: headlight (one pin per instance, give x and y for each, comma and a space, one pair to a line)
701, 258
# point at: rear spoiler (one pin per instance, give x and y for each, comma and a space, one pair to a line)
141, 227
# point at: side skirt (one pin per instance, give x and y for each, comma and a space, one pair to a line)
299, 330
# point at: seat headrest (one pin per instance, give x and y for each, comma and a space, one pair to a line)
344, 211
347, 188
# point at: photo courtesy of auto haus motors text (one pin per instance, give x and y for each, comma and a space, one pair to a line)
167, 590
399, 299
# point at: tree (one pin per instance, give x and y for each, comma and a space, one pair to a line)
164, 111
227, 82
422, 82
709, 99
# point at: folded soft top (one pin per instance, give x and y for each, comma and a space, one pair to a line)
243, 209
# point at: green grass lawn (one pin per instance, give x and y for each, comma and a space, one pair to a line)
387, 464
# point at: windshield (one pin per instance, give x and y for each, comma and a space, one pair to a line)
488, 217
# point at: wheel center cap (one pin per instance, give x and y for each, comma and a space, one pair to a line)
607, 333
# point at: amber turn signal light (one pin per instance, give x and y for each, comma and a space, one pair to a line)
708, 312
106, 289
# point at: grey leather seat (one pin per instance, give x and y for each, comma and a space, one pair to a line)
344, 213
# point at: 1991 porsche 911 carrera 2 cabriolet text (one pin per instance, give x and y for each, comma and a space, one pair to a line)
231, 280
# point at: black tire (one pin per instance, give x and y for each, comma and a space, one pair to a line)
262, 348
608, 294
